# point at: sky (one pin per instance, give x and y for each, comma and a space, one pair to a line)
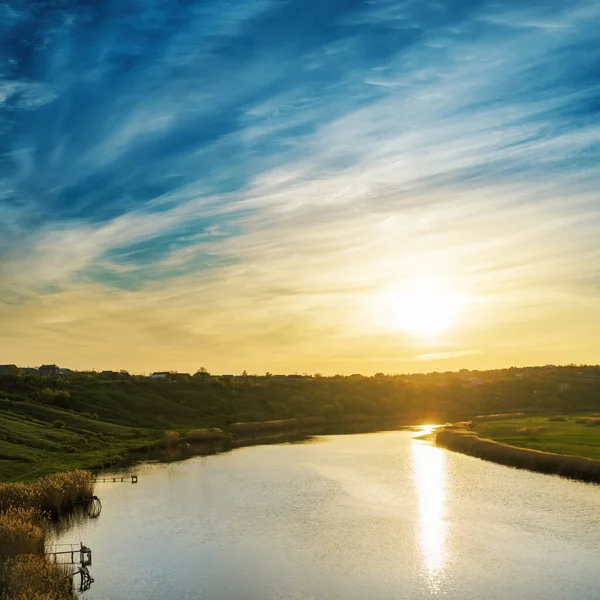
298, 185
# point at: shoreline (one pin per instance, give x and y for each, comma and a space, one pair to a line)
549, 463
253, 436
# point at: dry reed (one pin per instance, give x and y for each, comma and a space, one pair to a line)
574, 467
24, 571
530, 432
171, 438
500, 416
205, 435
259, 426
52, 494
31, 577
20, 532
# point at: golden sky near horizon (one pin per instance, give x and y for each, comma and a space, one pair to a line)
344, 198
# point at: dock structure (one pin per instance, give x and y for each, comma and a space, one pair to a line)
92, 506
71, 554
86, 579
121, 479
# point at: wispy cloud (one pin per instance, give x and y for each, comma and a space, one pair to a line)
265, 173
439, 356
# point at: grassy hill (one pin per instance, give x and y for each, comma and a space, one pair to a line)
87, 420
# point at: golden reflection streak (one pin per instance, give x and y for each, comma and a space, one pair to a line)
429, 468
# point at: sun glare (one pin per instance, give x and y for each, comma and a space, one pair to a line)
424, 307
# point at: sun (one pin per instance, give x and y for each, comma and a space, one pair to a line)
425, 308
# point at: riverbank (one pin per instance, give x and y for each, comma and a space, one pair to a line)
26, 510
465, 440
574, 435
250, 434
92, 420
40, 440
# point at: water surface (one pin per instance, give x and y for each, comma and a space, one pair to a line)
371, 516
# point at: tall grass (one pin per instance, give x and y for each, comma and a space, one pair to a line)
32, 577
205, 435
171, 438
53, 494
531, 433
280, 424
468, 442
24, 509
261, 426
500, 416
20, 532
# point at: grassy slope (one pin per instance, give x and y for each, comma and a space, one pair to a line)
561, 437
30, 446
105, 418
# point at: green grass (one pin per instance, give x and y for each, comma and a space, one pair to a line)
85, 420
567, 437
31, 445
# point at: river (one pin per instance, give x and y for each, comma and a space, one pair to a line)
375, 516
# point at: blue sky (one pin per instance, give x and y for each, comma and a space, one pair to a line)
252, 184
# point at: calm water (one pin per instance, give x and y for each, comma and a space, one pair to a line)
371, 516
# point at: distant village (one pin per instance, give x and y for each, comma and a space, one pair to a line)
471, 378
56, 371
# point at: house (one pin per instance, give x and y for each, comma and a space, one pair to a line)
50, 370
29, 371
160, 375
64, 371
6, 369
109, 374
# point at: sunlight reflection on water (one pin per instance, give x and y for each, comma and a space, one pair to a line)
429, 465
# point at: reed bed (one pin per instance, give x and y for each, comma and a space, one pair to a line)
205, 435
32, 577
467, 442
260, 426
171, 438
25, 509
52, 494
530, 432
21, 532
500, 416
314, 421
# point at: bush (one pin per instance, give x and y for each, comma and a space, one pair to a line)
500, 416
58, 424
171, 438
330, 412
263, 426
530, 432
557, 418
55, 397
205, 435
